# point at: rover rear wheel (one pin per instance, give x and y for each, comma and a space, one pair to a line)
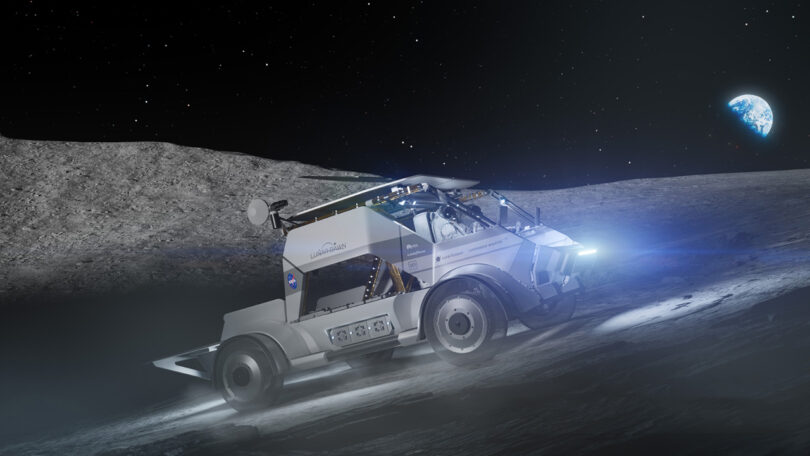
551, 313
247, 375
464, 322
371, 359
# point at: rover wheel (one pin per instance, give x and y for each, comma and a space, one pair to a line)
550, 313
246, 374
371, 359
464, 322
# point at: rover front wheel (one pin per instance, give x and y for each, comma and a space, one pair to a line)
550, 313
464, 322
246, 374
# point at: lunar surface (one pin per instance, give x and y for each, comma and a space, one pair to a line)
691, 338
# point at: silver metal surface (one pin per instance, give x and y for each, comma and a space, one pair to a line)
170, 363
461, 323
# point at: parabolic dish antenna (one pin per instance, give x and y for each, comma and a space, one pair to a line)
257, 211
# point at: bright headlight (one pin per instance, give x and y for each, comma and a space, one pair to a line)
586, 252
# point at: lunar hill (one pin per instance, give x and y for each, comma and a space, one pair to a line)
96, 216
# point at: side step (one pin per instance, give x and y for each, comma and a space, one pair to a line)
364, 348
196, 363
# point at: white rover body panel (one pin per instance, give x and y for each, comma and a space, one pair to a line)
394, 265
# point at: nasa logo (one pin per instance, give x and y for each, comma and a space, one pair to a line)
291, 281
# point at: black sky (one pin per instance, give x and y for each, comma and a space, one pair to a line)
520, 94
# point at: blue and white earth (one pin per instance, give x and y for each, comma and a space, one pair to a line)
754, 112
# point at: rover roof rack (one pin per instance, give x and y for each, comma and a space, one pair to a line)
359, 198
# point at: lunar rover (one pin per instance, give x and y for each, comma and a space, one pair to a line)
405, 262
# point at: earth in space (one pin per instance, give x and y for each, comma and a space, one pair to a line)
754, 112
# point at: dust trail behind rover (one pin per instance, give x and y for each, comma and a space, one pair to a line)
408, 261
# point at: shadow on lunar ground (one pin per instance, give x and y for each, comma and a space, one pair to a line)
69, 360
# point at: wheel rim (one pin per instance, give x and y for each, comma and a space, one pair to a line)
461, 323
242, 378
